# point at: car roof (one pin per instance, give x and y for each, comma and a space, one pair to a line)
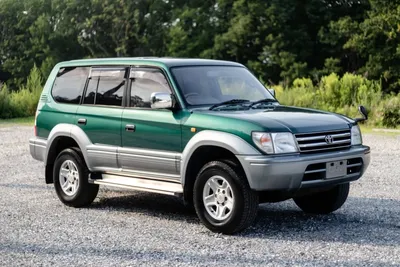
165, 61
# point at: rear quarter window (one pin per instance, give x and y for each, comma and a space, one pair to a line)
69, 84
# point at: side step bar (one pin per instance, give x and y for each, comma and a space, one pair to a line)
140, 184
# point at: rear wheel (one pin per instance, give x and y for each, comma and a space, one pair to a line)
71, 179
324, 202
223, 199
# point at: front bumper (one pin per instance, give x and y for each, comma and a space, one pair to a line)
37, 147
293, 172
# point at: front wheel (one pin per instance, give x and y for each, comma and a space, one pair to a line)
71, 179
223, 199
324, 202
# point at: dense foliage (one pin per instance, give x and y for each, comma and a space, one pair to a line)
21, 103
279, 40
343, 95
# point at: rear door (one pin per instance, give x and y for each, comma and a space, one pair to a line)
151, 138
100, 113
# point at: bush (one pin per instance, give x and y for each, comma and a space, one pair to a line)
22, 103
5, 107
391, 112
344, 95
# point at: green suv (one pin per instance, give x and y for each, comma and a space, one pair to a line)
204, 130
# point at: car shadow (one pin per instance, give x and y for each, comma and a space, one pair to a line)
360, 221
151, 204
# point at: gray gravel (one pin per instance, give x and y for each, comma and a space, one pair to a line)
132, 229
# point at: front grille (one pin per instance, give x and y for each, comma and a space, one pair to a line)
319, 142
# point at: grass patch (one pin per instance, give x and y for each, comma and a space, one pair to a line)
20, 121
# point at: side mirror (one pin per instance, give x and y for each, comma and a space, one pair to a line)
161, 100
272, 91
364, 113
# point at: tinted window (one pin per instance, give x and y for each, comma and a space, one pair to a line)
144, 83
110, 91
69, 84
91, 91
106, 87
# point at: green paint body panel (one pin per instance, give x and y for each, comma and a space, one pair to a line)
285, 119
203, 121
103, 124
155, 129
52, 114
171, 130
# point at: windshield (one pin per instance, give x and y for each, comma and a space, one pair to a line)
210, 85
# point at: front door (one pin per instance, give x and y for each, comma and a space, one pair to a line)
100, 114
151, 139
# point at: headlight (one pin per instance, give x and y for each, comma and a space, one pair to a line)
356, 138
275, 143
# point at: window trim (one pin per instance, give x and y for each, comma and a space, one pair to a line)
106, 68
115, 67
158, 69
83, 90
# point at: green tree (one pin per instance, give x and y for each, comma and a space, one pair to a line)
37, 32
15, 20
194, 25
124, 28
372, 46
279, 39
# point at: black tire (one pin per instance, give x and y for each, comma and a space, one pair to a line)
324, 202
245, 205
86, 192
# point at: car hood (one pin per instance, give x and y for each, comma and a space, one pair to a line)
283, 118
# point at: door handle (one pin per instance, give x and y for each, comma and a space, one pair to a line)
130, 128
82, 121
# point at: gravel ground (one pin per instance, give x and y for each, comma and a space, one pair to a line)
132, 229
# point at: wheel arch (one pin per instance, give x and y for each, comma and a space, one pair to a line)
207, 146
61, 137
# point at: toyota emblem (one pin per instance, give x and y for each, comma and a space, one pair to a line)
329, 139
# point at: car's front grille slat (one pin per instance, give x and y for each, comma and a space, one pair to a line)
315, 171
318, 142
321, 137
323, 144
354, 165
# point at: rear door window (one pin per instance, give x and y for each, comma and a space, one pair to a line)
69, 84
106, 87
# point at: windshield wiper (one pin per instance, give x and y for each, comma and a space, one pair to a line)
266, 100
232, 101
